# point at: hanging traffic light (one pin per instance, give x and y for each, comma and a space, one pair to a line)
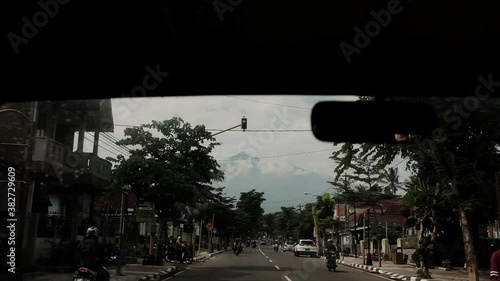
243, 123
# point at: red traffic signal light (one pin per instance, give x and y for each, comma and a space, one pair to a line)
243, 123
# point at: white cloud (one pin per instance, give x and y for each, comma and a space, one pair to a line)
222, 112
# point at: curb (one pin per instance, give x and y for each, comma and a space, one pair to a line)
388, 274
162, 274
206, 257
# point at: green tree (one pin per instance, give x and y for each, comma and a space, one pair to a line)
268, 223
305, 223
390, 181
461, 161
176, 166
249, 206
286, 221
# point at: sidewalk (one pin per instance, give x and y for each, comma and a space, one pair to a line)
131, 273
407, 272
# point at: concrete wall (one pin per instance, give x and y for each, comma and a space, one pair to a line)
409, 242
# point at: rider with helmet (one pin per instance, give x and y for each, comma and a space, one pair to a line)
91, 253
330, 248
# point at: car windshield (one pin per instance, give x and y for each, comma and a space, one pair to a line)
213, 169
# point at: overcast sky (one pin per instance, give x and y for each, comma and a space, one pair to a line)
282, 154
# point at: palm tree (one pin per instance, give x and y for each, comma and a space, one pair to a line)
391, 181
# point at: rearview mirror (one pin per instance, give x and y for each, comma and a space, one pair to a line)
372, 122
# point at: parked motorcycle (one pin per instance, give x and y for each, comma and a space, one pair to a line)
331, 262
185, 256
85, 274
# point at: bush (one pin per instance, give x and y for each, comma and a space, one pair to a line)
423, 275
446, 264
387, 257
415, 257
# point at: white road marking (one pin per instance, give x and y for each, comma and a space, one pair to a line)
288, 279
277, 267
270, 261
179, 272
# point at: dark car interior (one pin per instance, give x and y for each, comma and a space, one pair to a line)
391, 50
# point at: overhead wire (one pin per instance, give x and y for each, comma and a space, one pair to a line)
114, 140
109, 144
101, 146
277, 156
270, 103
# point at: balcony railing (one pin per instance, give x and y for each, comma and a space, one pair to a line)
48, 151
96, 166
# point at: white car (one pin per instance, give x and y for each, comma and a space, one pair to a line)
288, 246
305, 247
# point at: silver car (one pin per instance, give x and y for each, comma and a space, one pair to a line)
288, 246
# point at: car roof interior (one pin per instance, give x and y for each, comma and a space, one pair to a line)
257, 47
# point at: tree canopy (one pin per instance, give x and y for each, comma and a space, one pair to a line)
170, 164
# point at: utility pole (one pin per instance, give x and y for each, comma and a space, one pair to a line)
355, 233
497, 183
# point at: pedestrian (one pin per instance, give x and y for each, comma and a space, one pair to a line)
495, 265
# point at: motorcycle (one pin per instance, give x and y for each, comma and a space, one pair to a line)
172, 255
238, 250
331, 262
85, 274
276, 247
254, 245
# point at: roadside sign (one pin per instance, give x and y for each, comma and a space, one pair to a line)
209, 226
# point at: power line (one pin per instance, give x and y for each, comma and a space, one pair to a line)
218, 130
102, 147
284, 105
399, 163
121, 125
291, 200
103, 141
277, 156
263, 130
114, 140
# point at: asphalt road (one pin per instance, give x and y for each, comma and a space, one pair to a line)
266, 265
261, 264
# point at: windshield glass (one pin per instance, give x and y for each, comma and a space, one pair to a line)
208, 170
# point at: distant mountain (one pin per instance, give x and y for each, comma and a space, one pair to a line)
283, 183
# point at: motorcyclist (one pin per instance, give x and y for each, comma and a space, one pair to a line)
179, 247
91, 254
331, 249
237, 244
